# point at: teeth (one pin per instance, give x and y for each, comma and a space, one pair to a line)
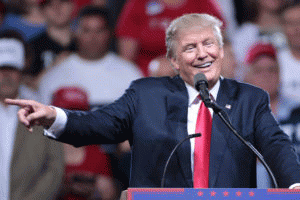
205, 65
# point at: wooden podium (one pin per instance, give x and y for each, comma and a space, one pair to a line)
212, 193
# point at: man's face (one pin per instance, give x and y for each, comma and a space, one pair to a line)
291, 25
198, 51
59, 12
264, 73
32, 2
93, 37
270, 5
10, 80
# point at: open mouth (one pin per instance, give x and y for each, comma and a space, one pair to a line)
208, 64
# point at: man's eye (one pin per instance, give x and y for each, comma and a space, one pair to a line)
189, 48
209, 43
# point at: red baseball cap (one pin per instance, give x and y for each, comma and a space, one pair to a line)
72, 98
260, 49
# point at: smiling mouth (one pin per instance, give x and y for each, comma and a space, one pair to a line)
208, 64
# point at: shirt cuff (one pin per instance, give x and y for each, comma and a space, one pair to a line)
59, 124
294, 185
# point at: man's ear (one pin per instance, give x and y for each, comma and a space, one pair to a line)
174, 63
222, 52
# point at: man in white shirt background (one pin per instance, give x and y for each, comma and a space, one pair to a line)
102, 73
31, 165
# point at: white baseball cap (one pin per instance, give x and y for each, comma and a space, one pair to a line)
12, 53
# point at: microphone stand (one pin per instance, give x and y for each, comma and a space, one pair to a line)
221, 113
175, 148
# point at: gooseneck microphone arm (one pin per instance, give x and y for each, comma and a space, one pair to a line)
222, 115
200, 79
173, 151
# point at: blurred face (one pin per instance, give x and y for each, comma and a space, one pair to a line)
99, 2
198, 51
59, 12
32, 2
93, 37
264, 73
291, 25
9, 83
270, 5
229, 62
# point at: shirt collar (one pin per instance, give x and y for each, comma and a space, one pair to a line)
193, 93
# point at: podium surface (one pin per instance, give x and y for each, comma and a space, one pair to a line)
212, 193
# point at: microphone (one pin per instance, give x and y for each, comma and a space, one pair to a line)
173, 151
201, 85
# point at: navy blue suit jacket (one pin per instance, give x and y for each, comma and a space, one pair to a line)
152, 114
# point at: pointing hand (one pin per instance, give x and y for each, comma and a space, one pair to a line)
33, 113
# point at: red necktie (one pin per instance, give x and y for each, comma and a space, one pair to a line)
202, 147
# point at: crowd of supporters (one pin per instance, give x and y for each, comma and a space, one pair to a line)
82, 54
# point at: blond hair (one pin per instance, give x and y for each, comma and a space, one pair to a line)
189, 21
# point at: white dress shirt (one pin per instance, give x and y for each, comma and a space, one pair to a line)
8, 124
194, 105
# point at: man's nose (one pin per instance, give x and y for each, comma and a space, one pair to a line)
201, 52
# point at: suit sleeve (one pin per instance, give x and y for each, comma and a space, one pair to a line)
107, 125
275, 146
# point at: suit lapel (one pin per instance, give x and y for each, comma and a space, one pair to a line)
219, 131
177, 104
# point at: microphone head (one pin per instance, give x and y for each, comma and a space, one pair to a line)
197, 135
199, 78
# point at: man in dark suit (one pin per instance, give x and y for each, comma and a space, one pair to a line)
156, 113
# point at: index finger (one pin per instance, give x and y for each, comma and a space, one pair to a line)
18, 102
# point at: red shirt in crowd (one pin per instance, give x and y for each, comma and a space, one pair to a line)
147, 20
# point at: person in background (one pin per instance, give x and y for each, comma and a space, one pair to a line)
261, 22
115, 7
31, 165
57, 38
228, 10
99, 3
289, 56
141, 26
88, 172
263, 70
103, 74
25, 88
26, 17
262, 13
229, 62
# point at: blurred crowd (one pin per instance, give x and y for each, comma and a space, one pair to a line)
83, 54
